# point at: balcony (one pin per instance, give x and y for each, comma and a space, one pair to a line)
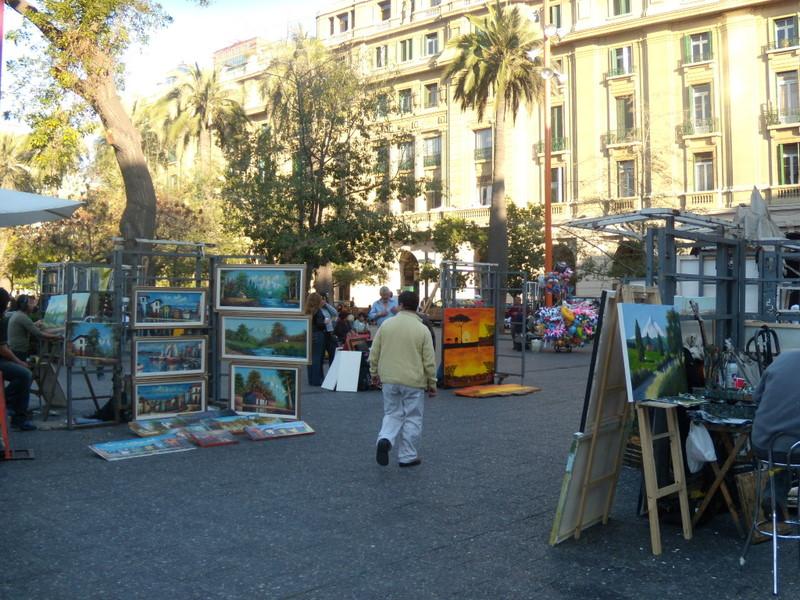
558, 144
700, 200
619, 72
432, 160
620, 136
784, 194
784, 44
483, 154
622, 205
407, 164
422, 221
700, 126
784, 115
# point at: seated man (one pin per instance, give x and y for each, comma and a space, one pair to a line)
21, 328
16, 374
778, 399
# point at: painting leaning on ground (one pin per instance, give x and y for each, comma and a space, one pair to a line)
652, 341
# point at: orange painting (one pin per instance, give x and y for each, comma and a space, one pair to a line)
467, 326
468, 346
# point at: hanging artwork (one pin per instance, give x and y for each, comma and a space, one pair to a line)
159, 356
167, 398
653, 357
468, 346
169, 307
92, 341
260, 288
277, 339
55, 314
267, 389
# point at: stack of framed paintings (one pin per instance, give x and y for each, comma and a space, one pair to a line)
168, 371
264, 336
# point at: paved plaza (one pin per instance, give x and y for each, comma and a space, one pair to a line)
316, 517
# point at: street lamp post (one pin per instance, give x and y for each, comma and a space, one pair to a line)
548, 148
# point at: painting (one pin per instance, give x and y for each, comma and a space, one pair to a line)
55, 315
653, 356
93, 341
168, 398
169, 307
277, 339
268, 389
159, 356
260, 288
468, 346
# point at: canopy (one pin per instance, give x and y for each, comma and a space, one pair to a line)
755, 220
22, 208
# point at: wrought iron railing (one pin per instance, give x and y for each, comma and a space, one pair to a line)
483, 153
693, 126
621, 136
558, 144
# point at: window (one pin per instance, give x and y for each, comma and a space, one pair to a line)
484, 193
431, 95
331, 22
789, 164
407, 204
788, 97
621, 61
700, 98
383, 105
703, 172
625, 117
786, 32
557, 184
625, 179
697, 47
386, 10
557, 128
382, 160
406, 50
433, 194
406, 156
431, 44
344, 22
483, 144
436, 2
620, 7
381, 56
433, 151
555, 15
404, 101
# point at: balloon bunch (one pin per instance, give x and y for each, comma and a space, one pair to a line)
568, 325
557, 281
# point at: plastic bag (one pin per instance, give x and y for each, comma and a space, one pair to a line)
699, 447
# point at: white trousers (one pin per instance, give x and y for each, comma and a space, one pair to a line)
402, 417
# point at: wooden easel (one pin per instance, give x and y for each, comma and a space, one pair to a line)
589, 486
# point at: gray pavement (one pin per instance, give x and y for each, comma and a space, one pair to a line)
316, 517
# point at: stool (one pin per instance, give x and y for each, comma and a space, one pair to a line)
775, 461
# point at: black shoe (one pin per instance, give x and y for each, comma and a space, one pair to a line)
382, 452
411, 463
25, 426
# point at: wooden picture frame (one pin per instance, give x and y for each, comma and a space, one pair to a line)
260, 288
182, 356
273, 389
263, 341
164, 308
160, 398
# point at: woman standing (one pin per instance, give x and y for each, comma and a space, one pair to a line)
318, 333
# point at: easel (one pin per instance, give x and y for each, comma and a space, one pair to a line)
8, 453
589, 486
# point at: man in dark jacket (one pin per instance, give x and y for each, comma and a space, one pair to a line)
16, 374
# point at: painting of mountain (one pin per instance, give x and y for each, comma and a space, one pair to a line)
651, 336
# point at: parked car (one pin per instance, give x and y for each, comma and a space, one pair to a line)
435, 312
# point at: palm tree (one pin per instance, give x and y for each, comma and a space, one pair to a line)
15, 163
493, 58
198, 107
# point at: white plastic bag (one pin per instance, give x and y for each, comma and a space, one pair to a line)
699, 447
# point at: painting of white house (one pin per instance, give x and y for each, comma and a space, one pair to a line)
93, 341
267, 389
169, 307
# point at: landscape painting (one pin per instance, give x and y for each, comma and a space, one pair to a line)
169, 307
279, 339
260, 288
93, 341
653, 356
468, 355
159, 356
267, 389
55, 315
159, 399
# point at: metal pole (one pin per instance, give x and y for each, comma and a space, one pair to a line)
548, 150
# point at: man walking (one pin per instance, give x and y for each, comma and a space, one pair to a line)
402, 361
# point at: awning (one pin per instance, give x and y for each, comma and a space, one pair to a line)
22, 208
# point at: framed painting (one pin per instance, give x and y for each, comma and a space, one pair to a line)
266, 389
468, 352
277, 339
156, 307
93, 341
55, 314
260, 288
168, 397
162, 356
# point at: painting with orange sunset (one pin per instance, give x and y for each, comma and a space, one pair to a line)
468, 346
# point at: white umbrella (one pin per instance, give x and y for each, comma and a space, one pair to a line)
22, 208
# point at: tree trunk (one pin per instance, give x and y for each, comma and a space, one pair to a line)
139, 217
498, 227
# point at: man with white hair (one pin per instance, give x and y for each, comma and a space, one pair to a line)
384, 307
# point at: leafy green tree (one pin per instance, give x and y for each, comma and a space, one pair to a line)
15, 163
78, 51
304, 188
493, 58
450, 234
525, 242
